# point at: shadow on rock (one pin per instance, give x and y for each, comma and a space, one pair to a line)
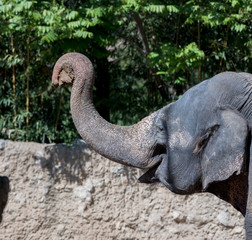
66, 162
4, 192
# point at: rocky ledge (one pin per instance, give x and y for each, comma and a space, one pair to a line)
62, 192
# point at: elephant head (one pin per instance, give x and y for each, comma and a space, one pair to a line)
190, 145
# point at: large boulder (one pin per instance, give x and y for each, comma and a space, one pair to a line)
62, 192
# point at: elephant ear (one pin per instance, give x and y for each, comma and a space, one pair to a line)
225, 151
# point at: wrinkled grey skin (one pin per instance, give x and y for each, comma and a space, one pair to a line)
199, 143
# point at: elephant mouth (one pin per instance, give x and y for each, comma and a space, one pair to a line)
159, 150
154, 175
158, 155
160, 173
150, 175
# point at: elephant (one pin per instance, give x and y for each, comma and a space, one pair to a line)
199, 143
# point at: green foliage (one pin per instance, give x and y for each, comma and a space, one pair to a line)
146, 54
171, 59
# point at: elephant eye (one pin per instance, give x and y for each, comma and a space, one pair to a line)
203, 139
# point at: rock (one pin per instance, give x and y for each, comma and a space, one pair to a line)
61, 192
78, 141
120, 170
89, 186
83, 194
2, 144
238, 230
224, 219
178, 217
175, 215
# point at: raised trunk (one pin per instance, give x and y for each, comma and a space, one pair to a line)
130, 145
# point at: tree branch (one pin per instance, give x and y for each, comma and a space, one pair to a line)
139, 23
159, 83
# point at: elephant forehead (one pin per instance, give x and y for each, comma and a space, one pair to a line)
180, 138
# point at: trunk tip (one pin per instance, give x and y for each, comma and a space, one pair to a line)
63, 72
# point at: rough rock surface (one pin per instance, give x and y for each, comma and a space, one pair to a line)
61, 192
